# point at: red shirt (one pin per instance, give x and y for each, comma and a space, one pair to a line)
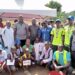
1, 25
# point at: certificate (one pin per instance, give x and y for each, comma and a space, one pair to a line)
9, 62
26, 62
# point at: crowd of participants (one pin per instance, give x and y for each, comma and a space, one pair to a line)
48, 44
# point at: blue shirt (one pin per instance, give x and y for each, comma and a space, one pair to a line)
61, 60
45, 34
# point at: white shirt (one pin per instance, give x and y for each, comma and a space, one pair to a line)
8, 37
3, 56
39, 47
47, 54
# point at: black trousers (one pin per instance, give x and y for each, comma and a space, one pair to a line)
23, 42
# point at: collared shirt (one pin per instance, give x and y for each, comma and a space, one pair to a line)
33, 31
68, 32
8, 36
39, 47
47, 54
21, 30
57, 36
45, 34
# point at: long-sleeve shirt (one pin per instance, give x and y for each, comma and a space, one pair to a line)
46, 55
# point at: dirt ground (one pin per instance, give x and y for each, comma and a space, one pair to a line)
32, 71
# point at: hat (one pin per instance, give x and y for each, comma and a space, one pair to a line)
58, 20
27, 49
71, 18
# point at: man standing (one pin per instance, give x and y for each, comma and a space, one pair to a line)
45, 33
68, 32
8, 36
33, 31
57, 35
21, 30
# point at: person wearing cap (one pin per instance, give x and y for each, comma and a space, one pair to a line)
26, 56
51, 23
33, 31
68, 32
72, 48
44, 33
8, 36
62, 60
46, 56
21, 30
3, 58
57, 35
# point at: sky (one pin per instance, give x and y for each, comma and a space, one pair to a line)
67, 5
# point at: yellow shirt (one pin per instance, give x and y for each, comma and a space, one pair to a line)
68, 32
57, 36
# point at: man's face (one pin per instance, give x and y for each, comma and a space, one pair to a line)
33, 22
28, 42
46, 46
8, 24
21, 19
58, 24
70, 22
13, 50
60, 48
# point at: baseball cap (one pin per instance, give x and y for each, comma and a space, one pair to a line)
70, 18
58, 20
27, 49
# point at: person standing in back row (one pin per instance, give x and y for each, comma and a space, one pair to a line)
21, 30
57, 35
68, 32
33, 31
45, 33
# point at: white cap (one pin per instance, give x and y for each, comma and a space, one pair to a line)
27, 49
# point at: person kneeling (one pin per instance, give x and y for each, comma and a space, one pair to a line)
25, 59
61, 61
46, 56
11, 61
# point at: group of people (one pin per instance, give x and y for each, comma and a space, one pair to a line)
48, 44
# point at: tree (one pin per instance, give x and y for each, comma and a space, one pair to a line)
54, 4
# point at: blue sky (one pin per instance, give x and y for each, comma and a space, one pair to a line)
67, 5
